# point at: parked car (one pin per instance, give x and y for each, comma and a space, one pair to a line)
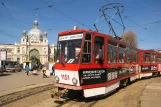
18, 68
2, 69
10, 68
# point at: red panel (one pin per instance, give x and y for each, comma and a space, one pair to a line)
69, 86
148, 64
147, 72
72, 67
159, 67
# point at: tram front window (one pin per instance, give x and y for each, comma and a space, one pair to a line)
69, 51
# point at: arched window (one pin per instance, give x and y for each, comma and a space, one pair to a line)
18, 50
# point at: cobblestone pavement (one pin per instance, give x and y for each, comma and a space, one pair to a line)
19, 79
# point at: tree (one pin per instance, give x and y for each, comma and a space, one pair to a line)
34, 59
130, 38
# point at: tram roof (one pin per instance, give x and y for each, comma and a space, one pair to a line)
82, 31
149, 51
74, 31
91, 31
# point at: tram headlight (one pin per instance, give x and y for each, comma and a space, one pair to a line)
56, 79
75, 81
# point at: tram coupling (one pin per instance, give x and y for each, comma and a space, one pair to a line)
58, 93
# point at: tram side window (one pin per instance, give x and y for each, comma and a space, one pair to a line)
134, 55
112, 52
129, 55
158, 58
86, 54
99, 49
122, 53
146, 57
153, 58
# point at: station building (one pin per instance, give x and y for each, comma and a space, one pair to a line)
33, 45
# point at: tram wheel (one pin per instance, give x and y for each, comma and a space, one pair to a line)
124, 83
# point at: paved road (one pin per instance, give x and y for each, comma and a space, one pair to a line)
144, 93
20, 79
151, 95
139, 94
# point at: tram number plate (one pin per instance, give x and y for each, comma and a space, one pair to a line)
65, 77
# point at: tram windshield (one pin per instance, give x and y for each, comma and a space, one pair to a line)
69, 48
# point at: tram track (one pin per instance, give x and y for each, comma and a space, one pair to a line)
127, 96
71, 103
91, 102
85, 102
9, 98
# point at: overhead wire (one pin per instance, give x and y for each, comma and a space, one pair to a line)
138, 24
51, 6
6, 8
7, 33
116, 21
3, 4
155, 22
142, 26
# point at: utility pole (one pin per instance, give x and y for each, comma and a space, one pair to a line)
26, 48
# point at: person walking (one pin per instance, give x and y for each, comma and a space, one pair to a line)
34, 72
44, 72
27, 69
53, 69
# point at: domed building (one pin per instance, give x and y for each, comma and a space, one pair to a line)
34, 46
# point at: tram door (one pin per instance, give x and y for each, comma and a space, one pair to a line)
99, 50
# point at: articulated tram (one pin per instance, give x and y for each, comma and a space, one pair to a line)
96, 63
150, 63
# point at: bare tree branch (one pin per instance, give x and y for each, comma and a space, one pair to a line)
130, 38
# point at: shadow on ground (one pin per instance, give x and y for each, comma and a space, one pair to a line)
4, 74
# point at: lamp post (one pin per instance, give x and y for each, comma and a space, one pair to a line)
27, 48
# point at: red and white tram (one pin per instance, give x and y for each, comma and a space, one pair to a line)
158, 60
94, 63
149, 63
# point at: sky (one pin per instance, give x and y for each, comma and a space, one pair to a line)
141, 16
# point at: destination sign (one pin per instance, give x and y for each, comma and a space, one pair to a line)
70, 37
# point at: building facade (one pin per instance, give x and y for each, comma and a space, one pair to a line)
33, 45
